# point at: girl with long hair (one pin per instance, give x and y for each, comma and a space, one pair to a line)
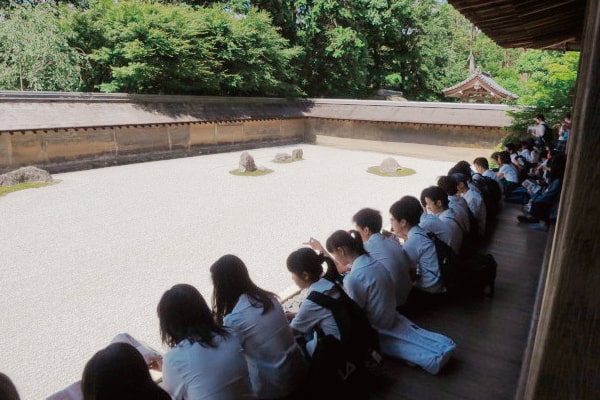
275, 361
205, 359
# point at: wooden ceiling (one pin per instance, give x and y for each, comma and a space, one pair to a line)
534, 24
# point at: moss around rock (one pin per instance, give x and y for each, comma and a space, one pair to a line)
258, 172
399, 172
21, 186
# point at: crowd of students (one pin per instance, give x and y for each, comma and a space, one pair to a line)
245, 346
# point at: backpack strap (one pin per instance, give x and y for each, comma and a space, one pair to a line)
432, 237
323, 300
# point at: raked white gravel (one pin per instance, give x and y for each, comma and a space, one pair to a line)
90, 257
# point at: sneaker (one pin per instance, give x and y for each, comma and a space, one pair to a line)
527, 219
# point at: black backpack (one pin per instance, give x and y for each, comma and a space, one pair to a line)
548, 136
478, 275
339, 367
448, 262
490, 192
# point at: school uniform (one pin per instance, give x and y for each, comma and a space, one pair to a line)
431, 223
192, 371
477, 207
311, 315
275, 362
390, 254
510, 173
421, 252
368, 284
491, 174
456, 234
461, 210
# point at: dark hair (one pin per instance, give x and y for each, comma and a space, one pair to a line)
349, 240
230, 280
464, 167
448, 185
306, 260
184, 314
505, 157
540, 117
558, 164
435, 193
368, 218
482, 162
511, 147
408, 208
8, 391
119, 372
495, 156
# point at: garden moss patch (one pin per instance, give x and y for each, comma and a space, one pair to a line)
258, 172
399, 172
21, 186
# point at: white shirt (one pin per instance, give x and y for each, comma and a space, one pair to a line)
510, 173
275, 362
421, 251
194, 372
388, 251
456, 234
311, 315
477, 207
461, 210
370, 286
431, 223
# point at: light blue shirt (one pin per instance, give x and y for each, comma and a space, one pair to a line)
370, 286
421, 252
389, 252
456, 234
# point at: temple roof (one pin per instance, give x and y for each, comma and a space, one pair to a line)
533, 24
479, 85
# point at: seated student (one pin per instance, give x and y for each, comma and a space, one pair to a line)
518, 162
435, 200
119, 372
474, 201
387, 250
483, 168
544, 205
508, 174
275, 362
8, 391
205, 361
528, 152
369, 285
306, 268
455, 202
406, 215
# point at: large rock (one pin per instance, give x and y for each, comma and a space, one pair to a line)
282, 157
389, 165
247, 163
25, 174
297, 154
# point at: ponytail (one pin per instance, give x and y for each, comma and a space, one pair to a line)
332, 273
350, 240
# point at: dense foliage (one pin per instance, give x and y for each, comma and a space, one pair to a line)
316, 48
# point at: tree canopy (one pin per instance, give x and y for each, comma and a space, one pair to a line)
316, 48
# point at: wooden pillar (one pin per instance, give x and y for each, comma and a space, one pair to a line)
565, 362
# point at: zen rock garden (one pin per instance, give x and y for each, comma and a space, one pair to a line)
390, 167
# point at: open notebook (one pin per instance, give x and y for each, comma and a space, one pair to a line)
73, 392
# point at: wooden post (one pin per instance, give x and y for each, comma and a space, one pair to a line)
565, 362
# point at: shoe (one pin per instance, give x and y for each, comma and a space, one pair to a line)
527, 219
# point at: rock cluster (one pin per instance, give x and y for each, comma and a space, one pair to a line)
25, 174
389, 165
282, 157
247, 163
297, 154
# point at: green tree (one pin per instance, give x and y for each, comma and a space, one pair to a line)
145, 47
550, 86
34, 50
